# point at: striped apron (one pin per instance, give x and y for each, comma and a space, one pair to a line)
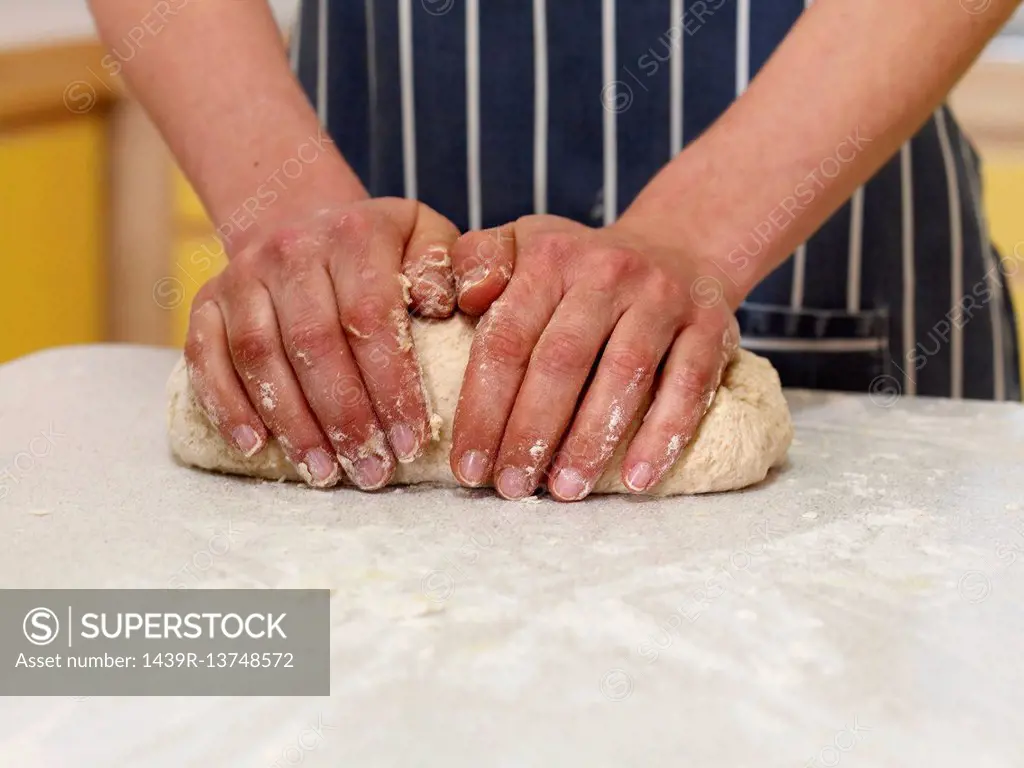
488, 111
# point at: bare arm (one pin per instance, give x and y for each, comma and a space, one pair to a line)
851, 82
301, 337
214, 77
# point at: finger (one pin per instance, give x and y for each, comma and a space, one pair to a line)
216, 386
428, 264
557, 373
307, 313
369, 293
482, 263
254, 340
623, 380
498, 359
685, 391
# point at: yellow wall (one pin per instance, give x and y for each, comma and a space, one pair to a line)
52, 192
1004, 201
196, 260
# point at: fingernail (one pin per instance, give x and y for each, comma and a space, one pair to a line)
472, 279
472, 467
513, 483
322, 468
246, 439
640, 476
569, 485
404, 443
369, 473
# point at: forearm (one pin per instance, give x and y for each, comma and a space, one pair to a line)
851, 82
215, 79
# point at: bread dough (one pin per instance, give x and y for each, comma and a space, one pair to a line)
746, 431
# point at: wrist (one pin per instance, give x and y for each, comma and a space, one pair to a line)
283, 208
291, 188
680, 213
702, 204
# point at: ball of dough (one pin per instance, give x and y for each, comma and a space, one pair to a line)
744, 434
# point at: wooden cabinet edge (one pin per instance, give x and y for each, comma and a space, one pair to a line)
989, 102
54, 81
141, 221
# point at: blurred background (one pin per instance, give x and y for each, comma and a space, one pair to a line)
103, 240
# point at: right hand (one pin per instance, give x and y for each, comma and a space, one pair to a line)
305, 337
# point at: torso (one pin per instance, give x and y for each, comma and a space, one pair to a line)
865, 304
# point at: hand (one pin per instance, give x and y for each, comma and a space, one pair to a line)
649, 316
306, 337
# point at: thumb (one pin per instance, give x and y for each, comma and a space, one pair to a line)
483, 262
428, 264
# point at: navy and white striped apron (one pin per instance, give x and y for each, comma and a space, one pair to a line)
487, 111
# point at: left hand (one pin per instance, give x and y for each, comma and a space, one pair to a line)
641, 314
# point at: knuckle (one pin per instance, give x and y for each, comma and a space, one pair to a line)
356, 225
718, 330
579, 448
551, 246
630, 365
197, 339
731, 334
241, 272
195, 349
313, 339
286, 246
662, 289
612, 266
690, 382
529, 448
562, 353
505, 339
252, 347
364, 316
379, 360
622, 259
350, 430
207, 291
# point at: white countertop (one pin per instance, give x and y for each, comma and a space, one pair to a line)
884, 612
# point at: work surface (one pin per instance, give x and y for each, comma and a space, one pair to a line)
865, 604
